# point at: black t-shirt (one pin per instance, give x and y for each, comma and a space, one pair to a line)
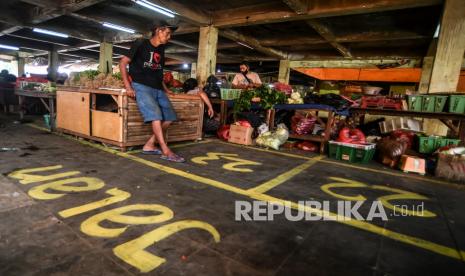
147, 63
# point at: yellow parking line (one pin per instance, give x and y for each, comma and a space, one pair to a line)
421, 243
263, 188
427, 245
416, 177
176, 146
266, 150
399, 174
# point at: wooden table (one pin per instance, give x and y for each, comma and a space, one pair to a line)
47, 99
223, 108
454, 121
79, 113
314, 109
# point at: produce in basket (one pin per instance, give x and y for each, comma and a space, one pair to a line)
295, 98
282, 87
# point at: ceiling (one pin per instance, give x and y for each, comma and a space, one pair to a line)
272, 30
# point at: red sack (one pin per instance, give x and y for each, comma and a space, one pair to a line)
176, 84
223, 132
404, 136
168, 77
307, 146
301, 125
353, 136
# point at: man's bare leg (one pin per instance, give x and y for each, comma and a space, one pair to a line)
158, 132
151, 143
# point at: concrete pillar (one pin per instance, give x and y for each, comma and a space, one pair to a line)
451, 46
426, 70
21, 64
193, 70
448, 58
106, 58
284, 71
53, 64
206, 61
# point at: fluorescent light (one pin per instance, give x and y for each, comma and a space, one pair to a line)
37, 30
245, 45
9, 47
436, 33
123, 47
120, 28
89, 46
218, 71
185, 66
153, 7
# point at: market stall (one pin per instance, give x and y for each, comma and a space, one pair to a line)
111, 117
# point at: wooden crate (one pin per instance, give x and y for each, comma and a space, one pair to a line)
125, 127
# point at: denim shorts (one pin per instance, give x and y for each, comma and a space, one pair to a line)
153, 103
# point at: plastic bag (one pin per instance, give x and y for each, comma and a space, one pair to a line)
263, 128
282, 133
273, 139
302, 125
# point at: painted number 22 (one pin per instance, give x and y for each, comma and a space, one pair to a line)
231, 166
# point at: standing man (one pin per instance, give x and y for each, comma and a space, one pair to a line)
246, 79
146, 60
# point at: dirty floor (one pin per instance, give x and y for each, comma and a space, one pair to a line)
73, 207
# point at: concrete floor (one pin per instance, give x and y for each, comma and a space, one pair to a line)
37, 238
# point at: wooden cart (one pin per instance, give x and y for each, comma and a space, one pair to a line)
78, 113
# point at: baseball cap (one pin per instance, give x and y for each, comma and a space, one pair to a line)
165, 24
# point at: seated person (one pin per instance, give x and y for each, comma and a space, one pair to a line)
191, 87
246, 79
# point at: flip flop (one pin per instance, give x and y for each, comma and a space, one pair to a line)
173, 158
152, 152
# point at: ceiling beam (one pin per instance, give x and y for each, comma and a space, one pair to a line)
10, 30
299, 6
254, 43
289, 41
274, 12
38, 40
379, 36
328, 35
116, 36
47, 11
355, 37
186, 29
25, 43
188, 14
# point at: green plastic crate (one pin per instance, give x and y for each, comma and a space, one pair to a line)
230, 94
457, 103
442, 142
433, 103
440, 103
415, 102
429, 144
353, 153
427, 104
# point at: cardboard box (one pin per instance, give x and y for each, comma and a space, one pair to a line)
412, 164
240, 135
